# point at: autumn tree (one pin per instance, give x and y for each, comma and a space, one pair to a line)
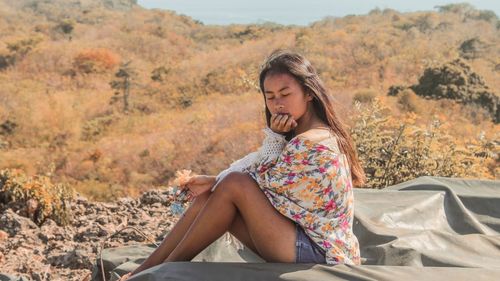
122, 84
159, 74
18, 50
66, 27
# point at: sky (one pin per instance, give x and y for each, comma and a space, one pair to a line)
225, 12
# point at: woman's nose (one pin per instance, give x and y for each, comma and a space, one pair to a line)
279, 108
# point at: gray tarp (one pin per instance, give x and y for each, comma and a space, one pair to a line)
7, 277
430, 228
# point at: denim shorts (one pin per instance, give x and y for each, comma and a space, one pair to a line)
306, 250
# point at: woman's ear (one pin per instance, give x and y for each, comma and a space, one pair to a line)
309, 97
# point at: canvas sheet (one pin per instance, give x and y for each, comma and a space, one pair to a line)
430, 228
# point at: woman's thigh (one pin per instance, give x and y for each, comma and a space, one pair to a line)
239, 230
238, 227
273, 234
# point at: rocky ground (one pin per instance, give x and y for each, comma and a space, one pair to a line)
52, 252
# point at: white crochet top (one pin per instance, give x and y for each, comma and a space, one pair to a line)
271, 148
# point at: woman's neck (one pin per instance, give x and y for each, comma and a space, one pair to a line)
309, 121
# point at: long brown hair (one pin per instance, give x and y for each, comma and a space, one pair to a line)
292, 63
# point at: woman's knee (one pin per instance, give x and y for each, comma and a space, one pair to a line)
200, 200
233, 183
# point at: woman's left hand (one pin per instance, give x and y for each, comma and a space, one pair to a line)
199, 184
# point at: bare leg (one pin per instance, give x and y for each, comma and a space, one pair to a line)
175, 235
272, 233
238, 227
239, 230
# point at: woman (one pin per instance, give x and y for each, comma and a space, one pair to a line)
290, 201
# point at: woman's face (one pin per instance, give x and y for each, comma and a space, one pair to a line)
285, 95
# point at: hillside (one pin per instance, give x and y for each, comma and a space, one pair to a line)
192, 85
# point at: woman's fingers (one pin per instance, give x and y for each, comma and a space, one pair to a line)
283, 122
278, 120
185, 185
274, 119
195, 190
191, 181
288, 124
192, 193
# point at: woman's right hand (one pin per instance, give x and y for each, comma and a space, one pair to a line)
199, 184
282, 123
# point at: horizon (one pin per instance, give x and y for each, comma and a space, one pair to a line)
222, 12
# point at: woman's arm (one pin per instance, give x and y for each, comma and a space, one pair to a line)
271, 148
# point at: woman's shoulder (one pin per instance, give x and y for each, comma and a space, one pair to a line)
316, 137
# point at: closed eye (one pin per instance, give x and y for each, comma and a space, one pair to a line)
270, 98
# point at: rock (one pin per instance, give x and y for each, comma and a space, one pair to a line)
51, 231
128, 203
110, 207
152, 197
102, 220
90, 234
74, 259
14, 223
31, 207
156, 205
3, 235
40, 276
53, 252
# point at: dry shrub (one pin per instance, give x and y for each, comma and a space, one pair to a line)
394, 151
409, 101
230, 81
25, 159
95, 60
99, 191
42, 118
228, 145
95, 128
37, 197
365, 95
21, 47
144, 151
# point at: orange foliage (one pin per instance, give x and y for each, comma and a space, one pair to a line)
95, 60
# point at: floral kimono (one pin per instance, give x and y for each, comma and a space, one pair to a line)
310, 183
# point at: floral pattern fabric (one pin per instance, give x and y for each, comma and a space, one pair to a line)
310, 183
